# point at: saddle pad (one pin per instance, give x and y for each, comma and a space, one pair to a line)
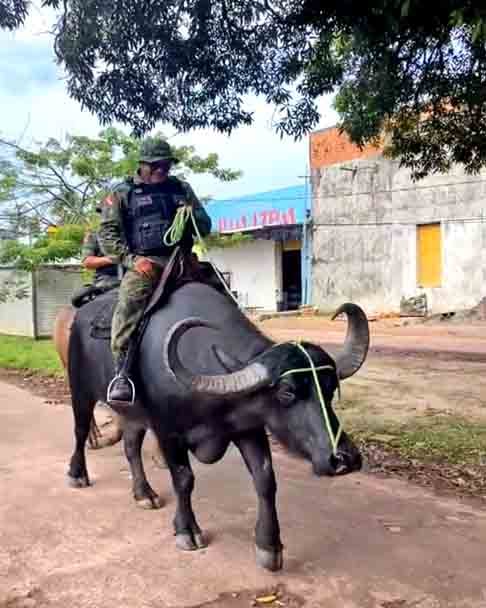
101, 322
204, 273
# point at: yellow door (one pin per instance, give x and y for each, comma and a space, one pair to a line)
429, 255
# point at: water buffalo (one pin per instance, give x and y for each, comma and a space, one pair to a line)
207, 377
60, 336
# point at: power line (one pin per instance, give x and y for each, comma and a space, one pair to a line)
418, 222
238, 201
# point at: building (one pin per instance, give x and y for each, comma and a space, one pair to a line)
380, 239
29, 301
269, 272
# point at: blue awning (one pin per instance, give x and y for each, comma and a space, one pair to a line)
282, 207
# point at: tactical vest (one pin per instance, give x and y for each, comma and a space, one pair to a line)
149, 214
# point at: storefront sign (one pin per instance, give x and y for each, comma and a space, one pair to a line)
283, 207
258, 219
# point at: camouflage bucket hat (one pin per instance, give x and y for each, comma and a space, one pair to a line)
155, 149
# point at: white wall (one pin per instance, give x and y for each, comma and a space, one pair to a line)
254, 272
54, 288
16, 315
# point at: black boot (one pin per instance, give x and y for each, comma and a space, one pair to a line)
121, 390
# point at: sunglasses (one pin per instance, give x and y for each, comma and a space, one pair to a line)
161, 165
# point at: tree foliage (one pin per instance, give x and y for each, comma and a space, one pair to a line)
13, 13
48, 195
418, 72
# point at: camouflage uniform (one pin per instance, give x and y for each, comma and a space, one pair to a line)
136, 289
106, 276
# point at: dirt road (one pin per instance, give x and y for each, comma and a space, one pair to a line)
411, 370
466, 341
355, 542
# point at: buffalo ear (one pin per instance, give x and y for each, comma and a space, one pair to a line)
285, 395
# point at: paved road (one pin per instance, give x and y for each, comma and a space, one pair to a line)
355, 542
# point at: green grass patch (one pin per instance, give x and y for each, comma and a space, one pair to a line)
440, 438
26, 353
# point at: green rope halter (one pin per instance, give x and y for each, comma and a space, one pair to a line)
334, 438
174, 235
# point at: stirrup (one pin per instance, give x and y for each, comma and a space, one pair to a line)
110, 386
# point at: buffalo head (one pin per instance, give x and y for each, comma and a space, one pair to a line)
288, 402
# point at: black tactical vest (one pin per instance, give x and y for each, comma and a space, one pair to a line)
150, 212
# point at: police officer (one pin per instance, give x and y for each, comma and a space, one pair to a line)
135, 218
106, 272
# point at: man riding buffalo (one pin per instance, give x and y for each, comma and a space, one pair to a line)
106, 273
135, 218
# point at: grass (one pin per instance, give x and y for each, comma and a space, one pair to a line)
26, 353
440, 438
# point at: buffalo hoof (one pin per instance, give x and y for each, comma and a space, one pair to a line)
190, 542
78, 482
269, 560
149, 502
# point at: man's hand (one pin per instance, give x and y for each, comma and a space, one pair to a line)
93, 262
144, 267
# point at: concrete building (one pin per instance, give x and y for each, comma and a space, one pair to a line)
32, 299
270, 272
379, 238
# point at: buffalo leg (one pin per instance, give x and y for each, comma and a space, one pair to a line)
255, 450
94, 434
144, 495
188, 534
83, 412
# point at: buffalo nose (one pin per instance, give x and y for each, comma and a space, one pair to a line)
343, 462
339, 463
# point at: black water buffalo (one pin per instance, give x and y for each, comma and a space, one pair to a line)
207, 377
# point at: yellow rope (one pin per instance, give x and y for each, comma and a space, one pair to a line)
333, 437
176, 230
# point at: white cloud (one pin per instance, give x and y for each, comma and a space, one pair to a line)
38, 107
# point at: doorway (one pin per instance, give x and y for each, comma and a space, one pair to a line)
291, 278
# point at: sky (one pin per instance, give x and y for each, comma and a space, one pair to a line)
36, 106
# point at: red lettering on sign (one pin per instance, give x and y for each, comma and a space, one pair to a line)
264, 217
267, 217
274, 217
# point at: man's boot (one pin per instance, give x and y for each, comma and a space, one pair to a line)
121, 390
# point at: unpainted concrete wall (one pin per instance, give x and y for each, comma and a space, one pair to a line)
16, 314
365, 215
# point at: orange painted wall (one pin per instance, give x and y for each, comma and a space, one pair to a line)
329, 147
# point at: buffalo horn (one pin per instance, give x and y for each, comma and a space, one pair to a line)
235, 384
356, 344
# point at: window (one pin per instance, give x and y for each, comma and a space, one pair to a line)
429, 255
